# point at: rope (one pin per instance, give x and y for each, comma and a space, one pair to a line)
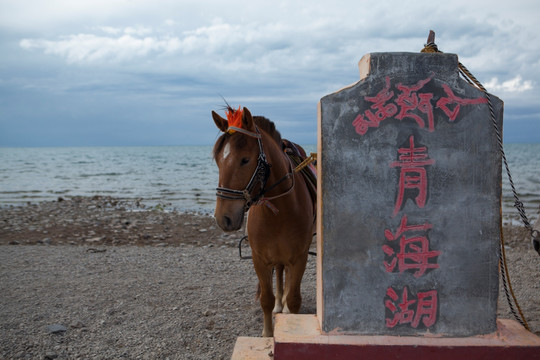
505, 276
240, 249
431, 47
507, 285
311, 158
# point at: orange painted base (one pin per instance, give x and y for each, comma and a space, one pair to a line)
299, 337
253, 348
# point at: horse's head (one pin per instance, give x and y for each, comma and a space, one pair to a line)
236, 154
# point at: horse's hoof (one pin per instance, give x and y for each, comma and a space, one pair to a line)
277, 309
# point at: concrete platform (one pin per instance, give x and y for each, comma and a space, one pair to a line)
253, 348
299, 337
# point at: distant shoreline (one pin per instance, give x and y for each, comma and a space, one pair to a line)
510, 216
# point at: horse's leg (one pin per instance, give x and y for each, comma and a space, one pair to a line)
264, 273
294, 280
278, 306
284, 297
286, 291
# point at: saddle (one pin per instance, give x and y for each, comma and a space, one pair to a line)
297, 154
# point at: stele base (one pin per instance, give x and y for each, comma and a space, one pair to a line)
299, 337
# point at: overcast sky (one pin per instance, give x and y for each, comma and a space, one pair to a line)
105, 72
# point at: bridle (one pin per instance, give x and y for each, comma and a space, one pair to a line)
260, 175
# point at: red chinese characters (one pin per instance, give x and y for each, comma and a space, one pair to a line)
381, 109
452, 99
414, 252
410, 103
408, 249
410, 100
412, 161
422, 309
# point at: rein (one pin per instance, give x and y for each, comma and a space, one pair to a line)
260, 175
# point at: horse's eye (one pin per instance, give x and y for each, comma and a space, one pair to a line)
244, 161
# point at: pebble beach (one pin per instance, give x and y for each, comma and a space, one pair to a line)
104, 278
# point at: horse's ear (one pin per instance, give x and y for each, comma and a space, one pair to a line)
247, 120
221, 123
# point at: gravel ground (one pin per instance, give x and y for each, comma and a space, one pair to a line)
99, 278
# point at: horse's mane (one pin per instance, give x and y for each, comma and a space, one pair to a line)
261, 122
269, 127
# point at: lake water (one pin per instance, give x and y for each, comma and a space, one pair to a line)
180, 177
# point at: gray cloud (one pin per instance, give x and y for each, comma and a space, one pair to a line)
168, 63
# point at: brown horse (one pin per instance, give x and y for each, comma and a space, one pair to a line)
256, 175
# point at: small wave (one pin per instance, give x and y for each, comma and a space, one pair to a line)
32, 197
158, 184
204, 202
101, 174
58, 192
16, 192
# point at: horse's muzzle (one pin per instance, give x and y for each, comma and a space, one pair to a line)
230, 221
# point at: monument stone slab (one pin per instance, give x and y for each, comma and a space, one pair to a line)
409, 205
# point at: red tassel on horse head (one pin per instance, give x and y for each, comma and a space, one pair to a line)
234, 118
